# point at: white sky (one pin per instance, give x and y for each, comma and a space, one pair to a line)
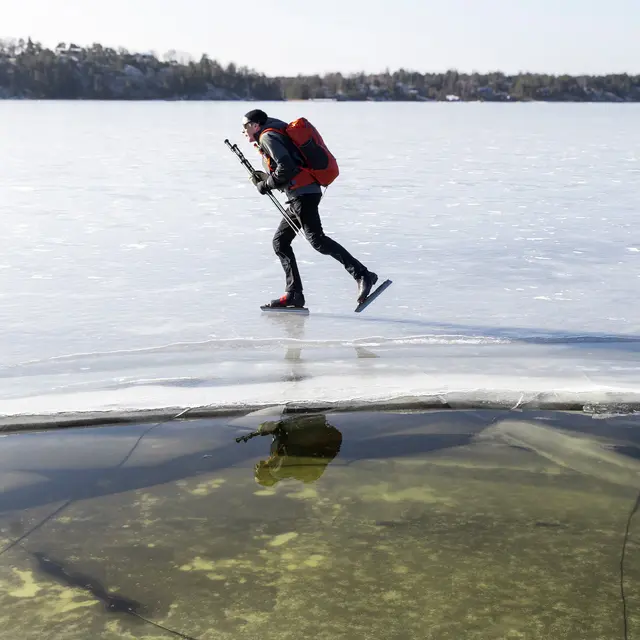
290, 37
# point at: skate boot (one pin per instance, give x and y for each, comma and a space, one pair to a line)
365, 282
290, 300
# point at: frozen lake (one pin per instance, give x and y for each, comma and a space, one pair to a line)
136, 255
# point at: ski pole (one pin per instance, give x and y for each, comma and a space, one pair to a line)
247, 165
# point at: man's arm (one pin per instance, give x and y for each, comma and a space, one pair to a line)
285, 165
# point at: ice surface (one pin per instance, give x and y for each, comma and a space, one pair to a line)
136, 254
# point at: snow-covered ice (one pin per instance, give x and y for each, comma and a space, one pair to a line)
136, 254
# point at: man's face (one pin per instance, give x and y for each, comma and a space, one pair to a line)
250, 129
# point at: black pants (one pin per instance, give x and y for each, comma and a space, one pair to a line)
303, 211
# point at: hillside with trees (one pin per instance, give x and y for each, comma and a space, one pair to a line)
70, 72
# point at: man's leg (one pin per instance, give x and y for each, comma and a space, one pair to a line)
282, 240
306, 207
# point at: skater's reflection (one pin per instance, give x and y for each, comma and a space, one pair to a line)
294, 328
301, 448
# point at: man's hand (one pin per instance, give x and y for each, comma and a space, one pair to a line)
259, 179
258, 176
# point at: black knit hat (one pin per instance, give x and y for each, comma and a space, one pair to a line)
255, 115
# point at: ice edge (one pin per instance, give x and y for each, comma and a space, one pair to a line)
601, 404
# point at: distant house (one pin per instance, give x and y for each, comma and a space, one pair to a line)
71, 51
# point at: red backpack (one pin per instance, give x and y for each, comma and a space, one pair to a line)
319, 161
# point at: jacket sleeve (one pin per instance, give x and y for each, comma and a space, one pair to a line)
285, 165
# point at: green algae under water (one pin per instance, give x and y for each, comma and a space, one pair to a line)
439, 525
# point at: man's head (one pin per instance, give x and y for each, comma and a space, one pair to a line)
252, 122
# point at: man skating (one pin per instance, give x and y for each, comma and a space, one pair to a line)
286, 172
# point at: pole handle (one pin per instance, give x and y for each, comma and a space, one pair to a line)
248, 166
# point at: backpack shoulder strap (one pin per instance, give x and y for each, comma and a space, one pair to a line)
283, 131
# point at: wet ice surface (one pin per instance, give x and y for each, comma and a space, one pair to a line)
443, 525
137, 254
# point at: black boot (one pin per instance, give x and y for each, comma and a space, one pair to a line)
293, 299
365, 282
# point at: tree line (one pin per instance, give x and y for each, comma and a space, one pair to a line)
30, 71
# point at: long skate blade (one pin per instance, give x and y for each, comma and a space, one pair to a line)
301, 311
372, 296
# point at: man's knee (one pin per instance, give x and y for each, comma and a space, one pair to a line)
280, 245
319, 242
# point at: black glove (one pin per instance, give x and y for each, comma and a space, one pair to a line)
259, 179
263, 187
258, 176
